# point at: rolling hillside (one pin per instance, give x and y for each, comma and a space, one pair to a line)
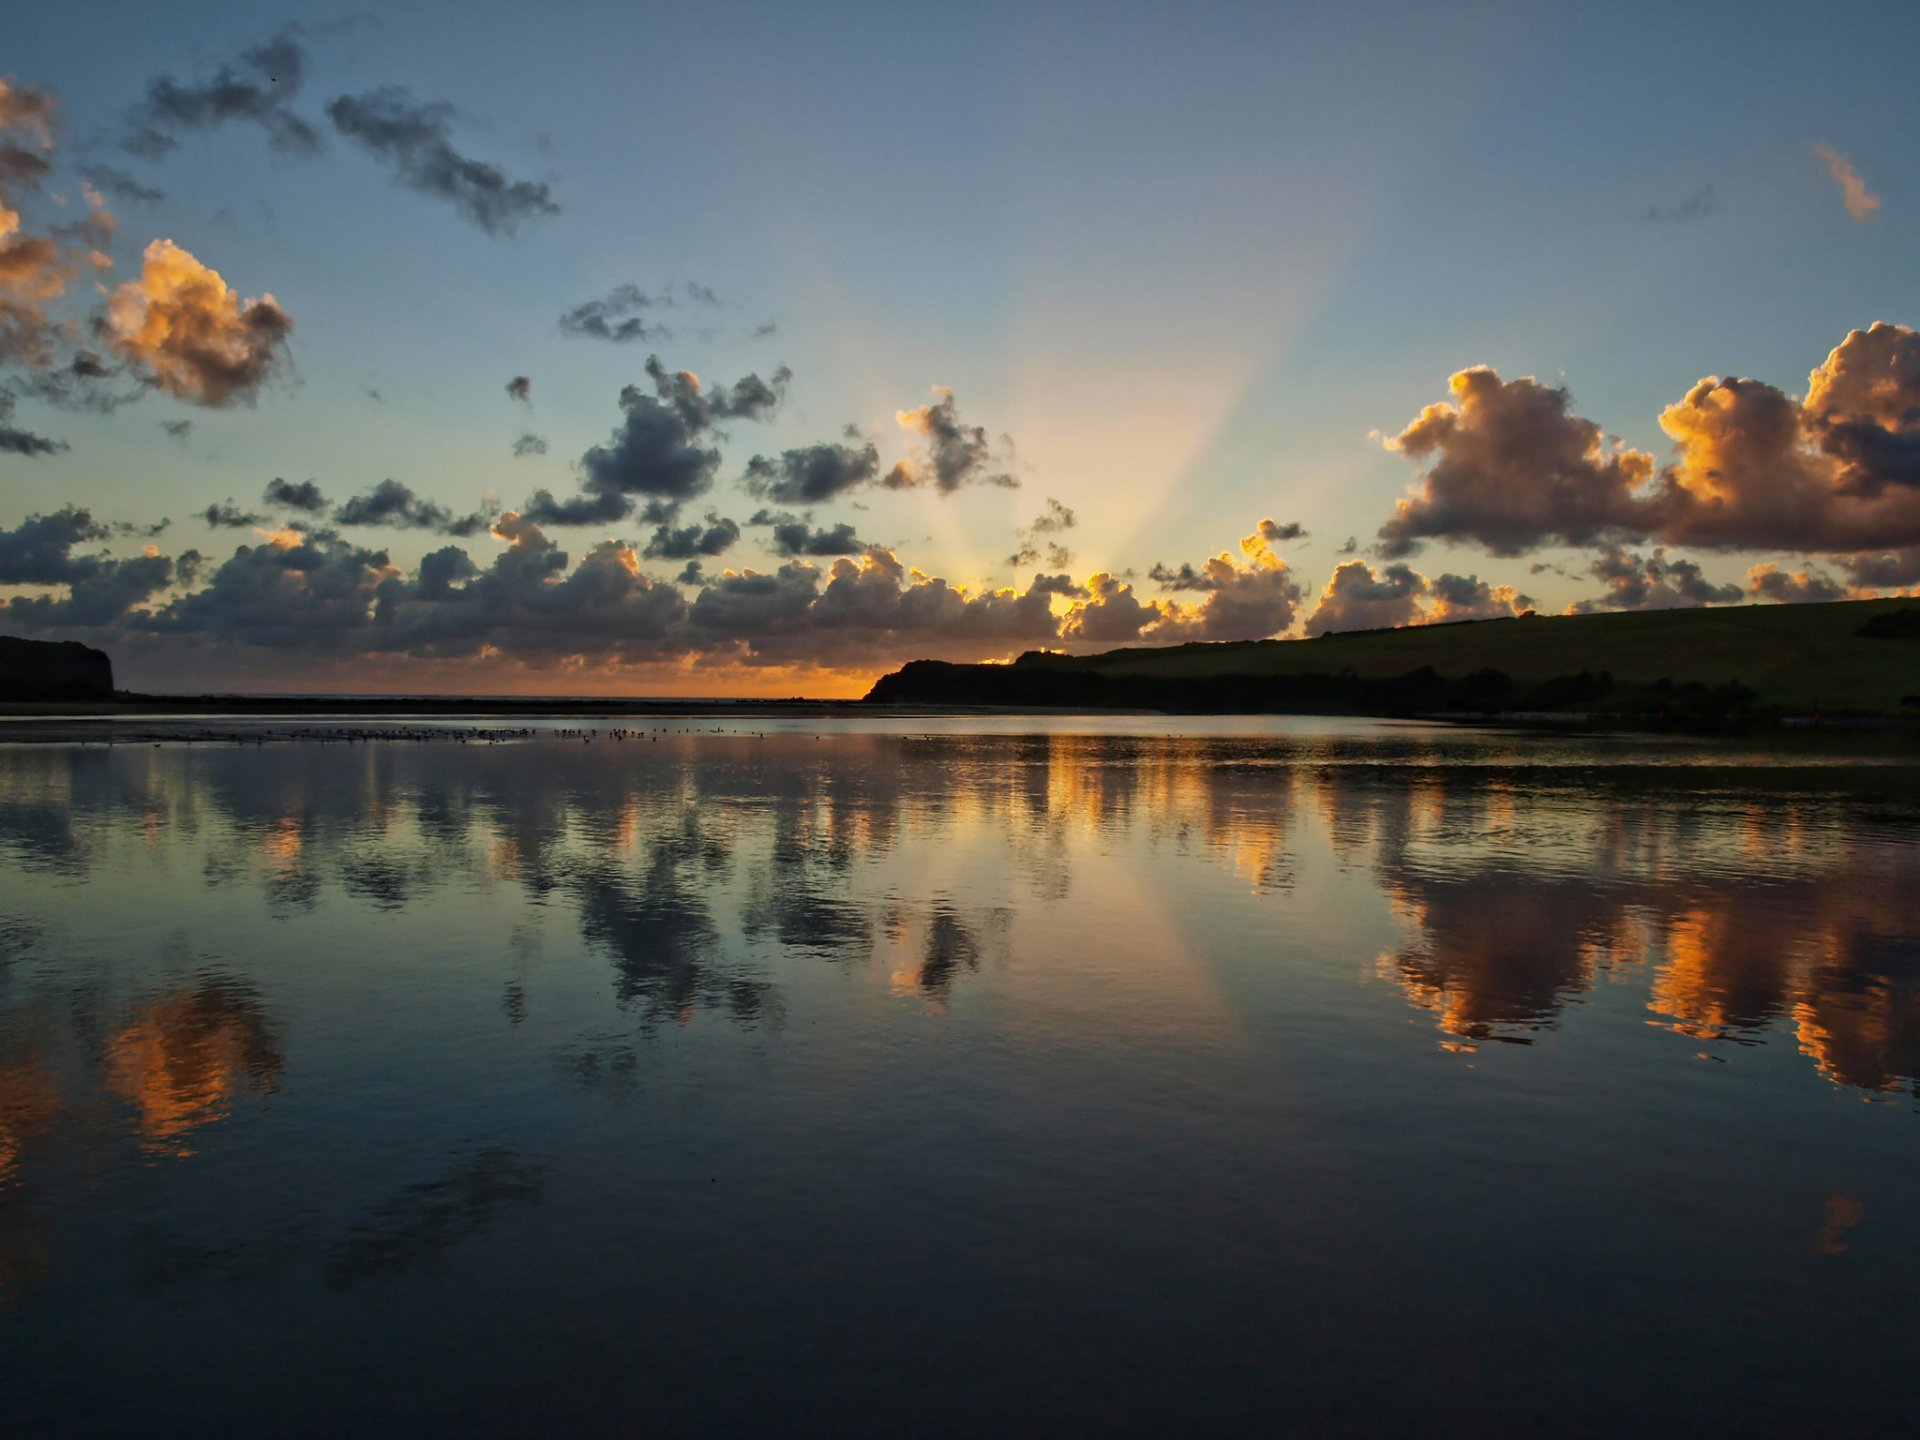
1835, 658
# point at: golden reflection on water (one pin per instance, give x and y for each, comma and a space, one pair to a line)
184, 1056
1517, 889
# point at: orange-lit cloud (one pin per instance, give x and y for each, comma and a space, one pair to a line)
1861, 202
1512, 467
191, 333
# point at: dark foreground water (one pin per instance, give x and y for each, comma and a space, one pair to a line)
1315, 1078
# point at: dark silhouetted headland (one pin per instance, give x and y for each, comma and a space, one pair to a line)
1858, 658
48, 670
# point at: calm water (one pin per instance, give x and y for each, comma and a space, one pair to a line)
1311, 1075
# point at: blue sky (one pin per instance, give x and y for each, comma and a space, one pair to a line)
1193, 264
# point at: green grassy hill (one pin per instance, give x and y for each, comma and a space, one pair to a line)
1793, 659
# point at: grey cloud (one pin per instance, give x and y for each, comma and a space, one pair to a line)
302, 495
414, 139
122, 186
615, 317
716, 537
394, 505
796, 537
812, 474
225, 515
1651, 582
1034, 542
1357, 598
1185, 577
1468, 597
1273, 533
1513, 467
602, 509
520, 388
1696, 206
177, 429
100, 589
620, 315
1884, 569
957, 454
318, 593
1062, 585
15, 441
700, 406
256, 89
1770, 582
655, 452
529, 444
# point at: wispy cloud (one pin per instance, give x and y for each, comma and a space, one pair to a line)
1859, 200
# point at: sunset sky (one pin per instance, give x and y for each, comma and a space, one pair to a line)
755, 349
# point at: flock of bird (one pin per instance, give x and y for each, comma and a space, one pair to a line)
462, 735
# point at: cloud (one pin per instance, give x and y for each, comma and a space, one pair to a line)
1250, 598
957, 454
1035, 542
1061, 585
1651, 582
27, 110
1697, 206
1273, 533
1753, 467
620, 315
716, 537
302, 495
813, 473
225, 515
616, 317
1884, 569
529, 444
394, 505
1111, 614
1358, 599
100, 589
15, 441
602, 509
1861, 202
796, 537
655, 453
520, 388
869, 608
1770, 582
255, 89
700, 407
122, 186
36, 269
190, 334
1258, 547
177, 429
414, 138
1757, 469
1468, 597
26, 135
1513, 467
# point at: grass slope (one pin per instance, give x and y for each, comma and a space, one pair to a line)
1794, 657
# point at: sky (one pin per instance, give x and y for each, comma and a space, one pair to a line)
757, 349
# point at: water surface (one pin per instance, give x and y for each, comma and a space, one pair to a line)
1133, 1074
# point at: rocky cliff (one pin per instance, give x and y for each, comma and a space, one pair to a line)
48, 670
